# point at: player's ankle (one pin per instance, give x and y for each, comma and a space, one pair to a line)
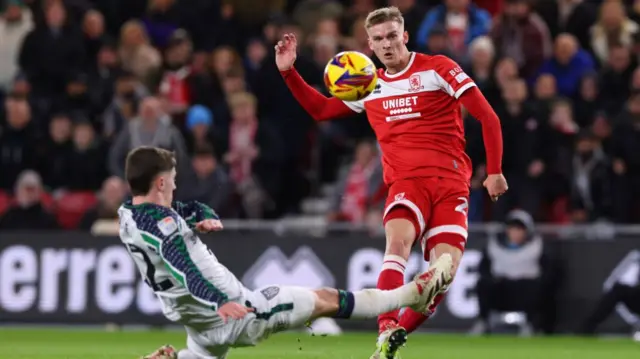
384, 324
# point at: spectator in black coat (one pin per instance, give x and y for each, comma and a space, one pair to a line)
626, 162
62, 48
28, 212
17, 136
523, 161
209, 182
591, 183
54, 155
88, 159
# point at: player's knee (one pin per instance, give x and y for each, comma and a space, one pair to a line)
401, 229
327, 302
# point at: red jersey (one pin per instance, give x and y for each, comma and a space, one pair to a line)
417, 119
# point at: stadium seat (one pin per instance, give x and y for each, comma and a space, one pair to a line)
5, 202
71, 206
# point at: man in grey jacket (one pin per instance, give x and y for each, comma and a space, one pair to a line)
152, 127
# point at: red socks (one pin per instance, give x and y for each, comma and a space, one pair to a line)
411, 320
391, 277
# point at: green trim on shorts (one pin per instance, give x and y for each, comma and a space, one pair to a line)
284, 307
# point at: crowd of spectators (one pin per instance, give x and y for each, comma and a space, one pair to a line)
84, 81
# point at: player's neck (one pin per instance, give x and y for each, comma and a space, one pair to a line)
402, 64
153, 198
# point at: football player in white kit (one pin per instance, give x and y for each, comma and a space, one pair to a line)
197, 291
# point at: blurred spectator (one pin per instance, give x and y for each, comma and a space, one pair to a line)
437, 42
102, 74
613, 28
94, 36
210, 183
152, 127
15, 23
77, 100
136, 53
163, 18
88, 159
111, 196
559, 148
521, 34
254, 60
462, 20
515, 274
174, 86
201, 131
254, 156
28, 213
615, 77
591, 197
523, 161
128, 93
505, 71
481, 61
569, 16
545, 93
308, 12
60, 44
54, 155
568, 65
589, 101
357, 186
626, 162
17, 138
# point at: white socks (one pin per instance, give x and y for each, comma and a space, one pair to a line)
369, 303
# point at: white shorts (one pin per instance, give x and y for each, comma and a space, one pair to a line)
277, 308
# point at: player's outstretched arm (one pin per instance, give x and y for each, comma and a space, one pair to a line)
198, 215
321, 108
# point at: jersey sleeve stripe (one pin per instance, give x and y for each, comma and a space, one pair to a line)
175, 254
464, 88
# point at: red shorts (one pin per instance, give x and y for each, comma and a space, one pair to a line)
439, 206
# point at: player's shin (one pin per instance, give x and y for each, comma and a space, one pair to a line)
391, 277
412, 320
369, 303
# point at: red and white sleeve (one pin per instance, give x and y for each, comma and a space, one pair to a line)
451, 78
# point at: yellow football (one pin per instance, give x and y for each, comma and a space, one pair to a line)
350, 76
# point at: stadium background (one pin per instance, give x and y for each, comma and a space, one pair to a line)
83, 81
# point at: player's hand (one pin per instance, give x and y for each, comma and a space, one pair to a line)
209, 225
286, 52
496, 185
233, 310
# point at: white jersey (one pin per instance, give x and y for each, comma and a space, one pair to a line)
185, 275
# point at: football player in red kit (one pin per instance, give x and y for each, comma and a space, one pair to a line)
416, 115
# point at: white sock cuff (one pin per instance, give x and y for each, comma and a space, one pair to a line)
394, 262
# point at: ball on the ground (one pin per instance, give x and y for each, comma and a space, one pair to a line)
350, 76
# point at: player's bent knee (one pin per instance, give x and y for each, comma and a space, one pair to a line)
401, 229
327, 303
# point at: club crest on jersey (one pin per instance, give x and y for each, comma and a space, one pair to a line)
167, 226
415, 83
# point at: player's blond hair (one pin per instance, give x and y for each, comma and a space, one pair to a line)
382, 15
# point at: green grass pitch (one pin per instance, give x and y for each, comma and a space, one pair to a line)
96, 344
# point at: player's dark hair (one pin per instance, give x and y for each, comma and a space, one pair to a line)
144, 164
